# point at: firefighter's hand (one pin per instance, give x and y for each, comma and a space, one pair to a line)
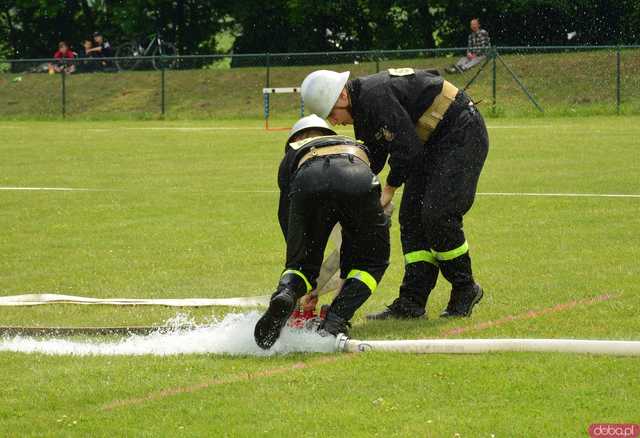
309, 301
388, 210
387, 195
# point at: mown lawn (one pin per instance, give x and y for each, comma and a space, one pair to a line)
191, 212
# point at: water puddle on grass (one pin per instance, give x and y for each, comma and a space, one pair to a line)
232, 335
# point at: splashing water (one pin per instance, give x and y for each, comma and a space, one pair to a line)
233, 335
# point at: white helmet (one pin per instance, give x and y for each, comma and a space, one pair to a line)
308, 122
321, 89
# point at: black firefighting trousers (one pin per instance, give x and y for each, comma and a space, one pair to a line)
329, 190
434, 202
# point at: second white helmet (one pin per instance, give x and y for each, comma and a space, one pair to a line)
320, 90
309, 122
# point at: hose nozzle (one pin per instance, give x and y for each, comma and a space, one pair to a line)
341, 342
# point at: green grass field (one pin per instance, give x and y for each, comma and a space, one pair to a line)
192, 213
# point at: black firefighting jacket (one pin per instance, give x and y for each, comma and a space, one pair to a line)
289, 166
385, 108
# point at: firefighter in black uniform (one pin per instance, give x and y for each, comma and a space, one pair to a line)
326, 179
437, 142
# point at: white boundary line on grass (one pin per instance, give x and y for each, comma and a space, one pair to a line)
514, 194
255, 128
55, 189
242, 128
259, 128
518, 126
182, 128
562, 195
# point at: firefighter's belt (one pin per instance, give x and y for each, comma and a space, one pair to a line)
335, 150
428, 121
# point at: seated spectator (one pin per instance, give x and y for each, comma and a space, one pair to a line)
64, 55
101, 49
477, 49
87, 45
85, 65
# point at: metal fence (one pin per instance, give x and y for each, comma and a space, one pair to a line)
510, 81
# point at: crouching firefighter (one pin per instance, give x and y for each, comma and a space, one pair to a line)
326, 179
437, 143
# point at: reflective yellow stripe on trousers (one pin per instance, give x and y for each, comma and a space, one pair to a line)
452, 254
299, 274
364, 277
420, 256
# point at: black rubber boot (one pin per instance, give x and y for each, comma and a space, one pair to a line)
462, 302
333, 325
401, 308
465, 293
419, 279
282, 304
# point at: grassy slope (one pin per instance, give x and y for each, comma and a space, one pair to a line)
170, 225
567, 83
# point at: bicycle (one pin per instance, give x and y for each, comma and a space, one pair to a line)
157, 48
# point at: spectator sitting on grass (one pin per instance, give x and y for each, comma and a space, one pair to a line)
477, 49
87, 45
63, 55
102, 49
85, 64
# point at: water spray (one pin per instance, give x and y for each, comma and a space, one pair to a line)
232, 335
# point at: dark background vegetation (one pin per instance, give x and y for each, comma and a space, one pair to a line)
32, 28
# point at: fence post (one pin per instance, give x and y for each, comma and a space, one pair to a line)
377, 55
162, 90
618, 80
268, 64
64, 92
493, 55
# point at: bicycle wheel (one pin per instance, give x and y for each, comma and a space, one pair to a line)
128, 50
169, 51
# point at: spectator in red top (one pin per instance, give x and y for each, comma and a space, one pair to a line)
63, 55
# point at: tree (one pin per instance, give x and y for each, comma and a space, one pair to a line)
320, 26
33, 28
544, 22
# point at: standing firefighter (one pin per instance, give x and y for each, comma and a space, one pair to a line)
437, 143
326, 179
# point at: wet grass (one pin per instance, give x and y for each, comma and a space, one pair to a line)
192, 213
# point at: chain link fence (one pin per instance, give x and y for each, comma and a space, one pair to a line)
511, 81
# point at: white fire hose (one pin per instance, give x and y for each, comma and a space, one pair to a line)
476, 346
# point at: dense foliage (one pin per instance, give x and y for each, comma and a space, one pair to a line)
31, 28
